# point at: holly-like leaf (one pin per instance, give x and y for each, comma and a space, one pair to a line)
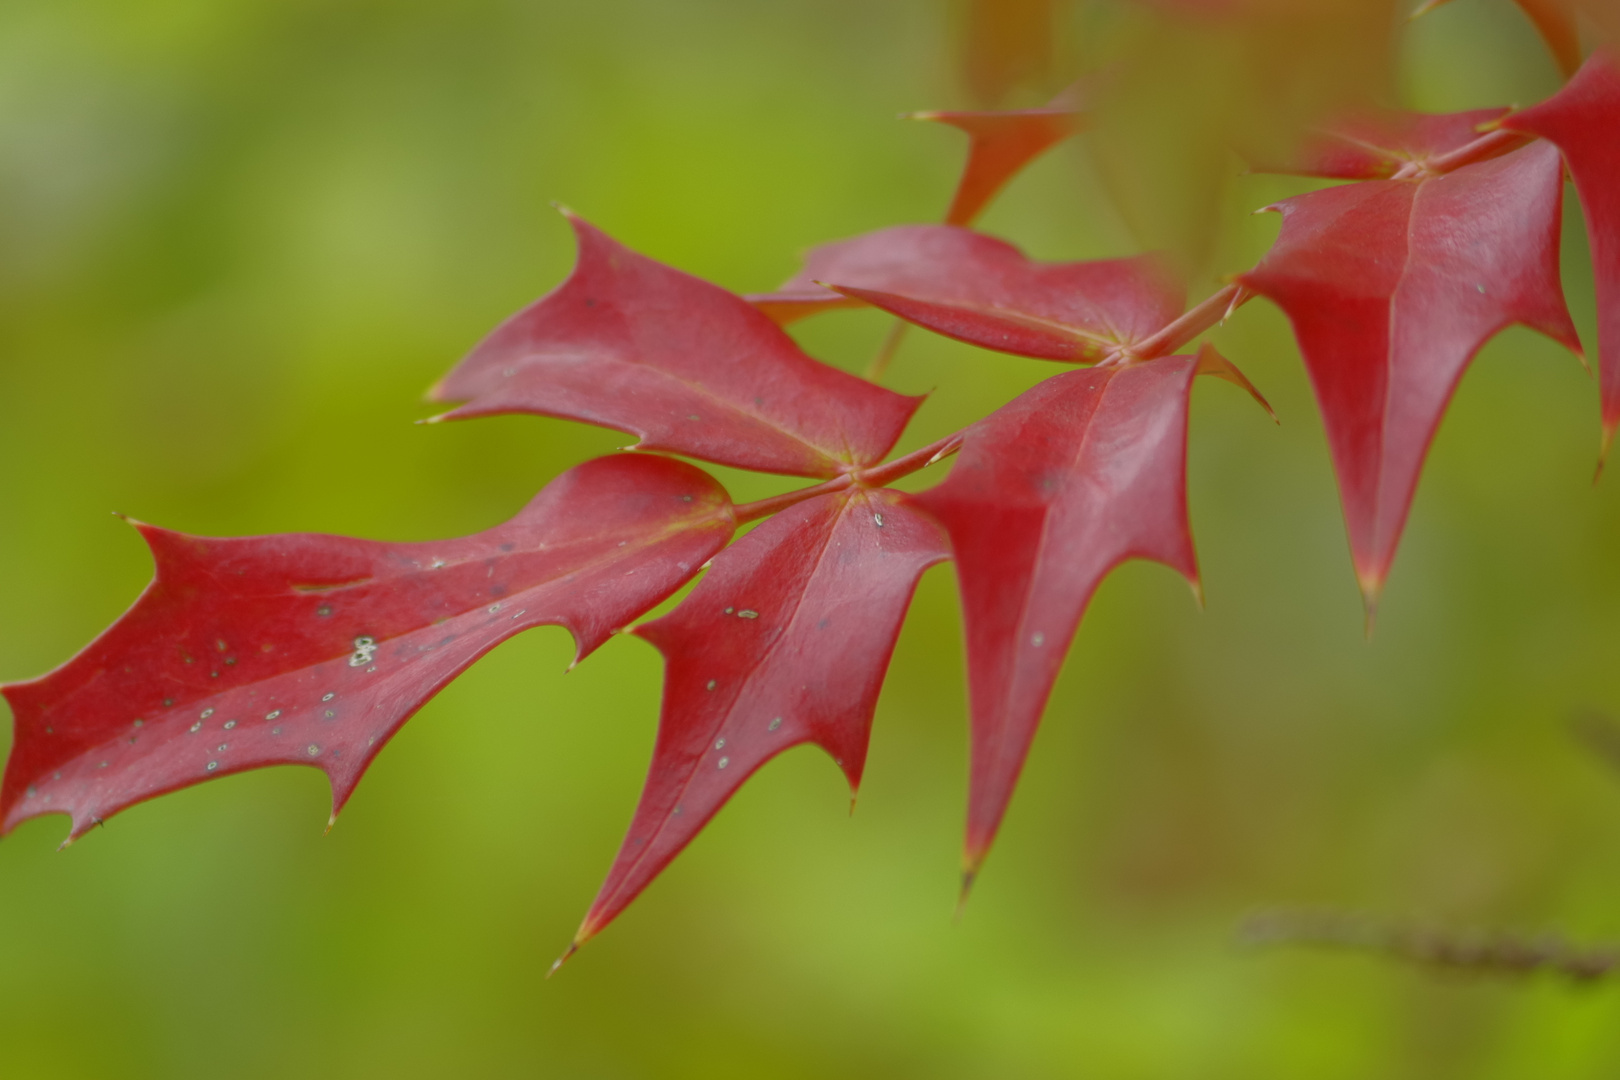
1049, 494
631, 344
1392, 286
984, 291
1583, 120
1375, 146
311, 649
785, 641
1001, 144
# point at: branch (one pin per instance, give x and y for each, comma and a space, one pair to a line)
1212, 312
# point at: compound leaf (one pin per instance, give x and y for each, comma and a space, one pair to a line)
312, 649
632, 344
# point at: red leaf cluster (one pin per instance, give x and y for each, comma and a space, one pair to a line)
315, 649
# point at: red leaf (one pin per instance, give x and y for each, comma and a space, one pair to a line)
632, 344
784, 641
984, 291
1583, 120
1377, 146
311, 649
1392, 287
1050, 493
1000, 144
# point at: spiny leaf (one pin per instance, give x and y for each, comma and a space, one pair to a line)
1583, 120
1375, 146
785, 641
1000, 144
984, 291
631, 344
1049, 494
312, 649
1392, 287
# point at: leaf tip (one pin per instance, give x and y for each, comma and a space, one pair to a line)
1369, 605
1606, 441
331, 821
556, 965
969, 875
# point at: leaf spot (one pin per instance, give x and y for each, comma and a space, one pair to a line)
206, 713
723, 763
275, 731
729, 610
229, 724
877, 519
324, 610
330, 714
223, 747
712, 685
272, 715
196, 727
312, 749
363, 648
1037, 639
745, 613
719, 744
212, 765
774, 724
328, 696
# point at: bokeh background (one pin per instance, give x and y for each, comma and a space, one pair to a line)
239, 238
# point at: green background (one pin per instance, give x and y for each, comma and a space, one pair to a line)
239, 239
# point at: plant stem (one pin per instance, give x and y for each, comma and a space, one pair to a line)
1210, 313
877, 476
891, 344
1490, 144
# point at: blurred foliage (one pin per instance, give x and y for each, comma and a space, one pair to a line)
238, 239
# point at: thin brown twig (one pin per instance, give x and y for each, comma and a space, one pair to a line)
1433, 947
